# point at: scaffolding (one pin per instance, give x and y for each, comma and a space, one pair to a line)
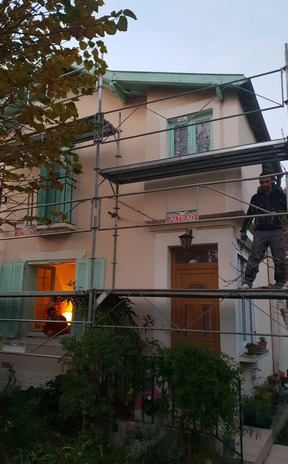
100, 132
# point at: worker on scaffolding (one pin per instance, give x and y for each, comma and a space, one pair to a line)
268, 230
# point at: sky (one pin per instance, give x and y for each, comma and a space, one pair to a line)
207, 36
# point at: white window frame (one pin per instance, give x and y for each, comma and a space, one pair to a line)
245, 308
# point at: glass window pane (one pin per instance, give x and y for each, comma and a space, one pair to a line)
191, 134
197, 255
202, 137
180, 141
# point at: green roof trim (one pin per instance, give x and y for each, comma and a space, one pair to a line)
125, 84
164, 78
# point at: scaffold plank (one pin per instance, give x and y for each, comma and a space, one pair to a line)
256, 294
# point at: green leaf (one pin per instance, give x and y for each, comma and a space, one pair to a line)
62, 217
82, 45
130, 14
122, 24
110, 27
101, 46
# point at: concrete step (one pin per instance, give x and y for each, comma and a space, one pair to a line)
277, 455
257, 444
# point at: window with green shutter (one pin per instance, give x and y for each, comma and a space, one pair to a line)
82, 282
190, 134
18, 276
51, 200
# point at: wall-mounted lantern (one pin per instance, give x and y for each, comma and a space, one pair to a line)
186, 239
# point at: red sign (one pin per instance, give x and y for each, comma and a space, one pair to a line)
182, 216
24, 233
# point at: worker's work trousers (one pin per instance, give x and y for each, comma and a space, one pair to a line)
274, 239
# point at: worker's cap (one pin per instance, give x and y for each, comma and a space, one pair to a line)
268, 174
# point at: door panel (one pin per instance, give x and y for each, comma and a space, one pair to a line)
202, 314
45, 282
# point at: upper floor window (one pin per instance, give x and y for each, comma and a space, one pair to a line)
51, 199
190, 134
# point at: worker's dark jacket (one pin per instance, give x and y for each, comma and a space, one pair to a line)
275, 201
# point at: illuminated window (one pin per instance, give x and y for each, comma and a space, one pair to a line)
45, 281
53, 277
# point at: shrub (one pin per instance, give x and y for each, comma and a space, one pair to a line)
205, 388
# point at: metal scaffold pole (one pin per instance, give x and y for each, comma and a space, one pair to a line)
116, 209
96, 200
286, 72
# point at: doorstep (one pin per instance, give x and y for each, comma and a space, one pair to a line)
278, 455
257, 444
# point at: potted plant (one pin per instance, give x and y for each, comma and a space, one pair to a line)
251, 348
195, 377
256, 413
260, 408
262, 342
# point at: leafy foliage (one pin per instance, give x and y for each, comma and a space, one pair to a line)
204, 387
101, 364
50, 54
60, 422
91, 365
260, 408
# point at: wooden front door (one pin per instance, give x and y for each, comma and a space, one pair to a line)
202, 314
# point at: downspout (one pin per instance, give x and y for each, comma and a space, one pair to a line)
286, 72
274, 305
274, 340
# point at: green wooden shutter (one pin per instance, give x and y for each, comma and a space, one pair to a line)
5, 280
82, 273
99, 271
54, 195
12, 277
83, 270
67, 193
16, 304
5, 277
82, 282
42, 195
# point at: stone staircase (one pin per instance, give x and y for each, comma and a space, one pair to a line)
258, 447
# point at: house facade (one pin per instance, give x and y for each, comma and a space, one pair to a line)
175, 152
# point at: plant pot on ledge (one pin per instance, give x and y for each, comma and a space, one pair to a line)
251, 348
259, 350
262, 343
